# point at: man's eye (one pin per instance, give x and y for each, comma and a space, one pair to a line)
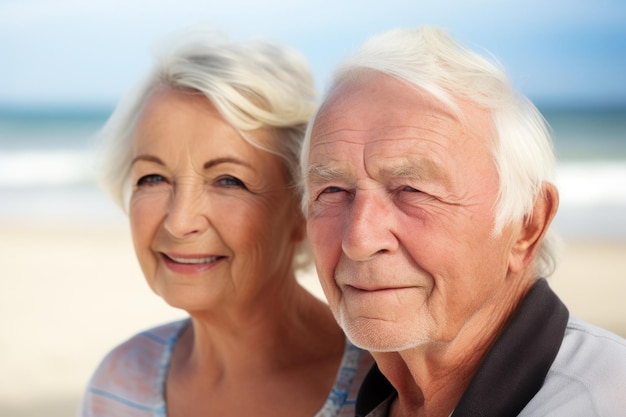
152, 179
410, 189
332, 195
332, 190
231, 182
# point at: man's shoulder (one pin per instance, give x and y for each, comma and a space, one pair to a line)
588, 376
586, 347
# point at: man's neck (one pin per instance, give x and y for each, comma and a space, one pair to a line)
431, 378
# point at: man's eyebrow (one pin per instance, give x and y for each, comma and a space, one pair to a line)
421, 169
318, 173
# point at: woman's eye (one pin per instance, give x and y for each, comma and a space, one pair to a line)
231, 182
151, 179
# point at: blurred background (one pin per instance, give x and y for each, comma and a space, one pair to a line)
70, 288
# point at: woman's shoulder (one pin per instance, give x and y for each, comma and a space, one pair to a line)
133, 373
354, 366
139, 356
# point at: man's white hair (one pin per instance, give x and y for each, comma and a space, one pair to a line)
429, 59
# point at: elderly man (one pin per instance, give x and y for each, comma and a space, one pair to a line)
429, 194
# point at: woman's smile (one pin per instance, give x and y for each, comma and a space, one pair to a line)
190, 264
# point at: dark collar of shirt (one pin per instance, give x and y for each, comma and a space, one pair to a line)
514, 368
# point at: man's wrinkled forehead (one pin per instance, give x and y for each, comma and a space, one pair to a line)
370, 83
337, 111
334, 111
381, 102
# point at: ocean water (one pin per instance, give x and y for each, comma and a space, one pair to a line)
47, 169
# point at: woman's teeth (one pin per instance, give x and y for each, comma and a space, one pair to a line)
206, 260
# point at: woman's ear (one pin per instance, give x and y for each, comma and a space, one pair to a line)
533, 230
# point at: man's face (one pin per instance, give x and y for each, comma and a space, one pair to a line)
401, 213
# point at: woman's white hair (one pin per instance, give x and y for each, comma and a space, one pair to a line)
429, 59
253, 84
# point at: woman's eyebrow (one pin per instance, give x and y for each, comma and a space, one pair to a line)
147, 158
207, 165
227, 160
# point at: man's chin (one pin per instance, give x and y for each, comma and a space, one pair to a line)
377, 335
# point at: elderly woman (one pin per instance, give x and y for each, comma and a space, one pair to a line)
204, 158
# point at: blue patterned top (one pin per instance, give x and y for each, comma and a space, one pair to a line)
130, 381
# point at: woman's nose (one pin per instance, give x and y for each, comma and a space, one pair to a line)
187, 213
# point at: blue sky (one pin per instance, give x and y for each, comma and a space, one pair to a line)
66, 52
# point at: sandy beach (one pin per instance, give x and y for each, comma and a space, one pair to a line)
69, 293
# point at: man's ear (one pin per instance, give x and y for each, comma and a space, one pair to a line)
533, 230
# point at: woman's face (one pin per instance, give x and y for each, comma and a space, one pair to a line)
213, 220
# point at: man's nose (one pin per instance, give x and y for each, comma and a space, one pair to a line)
187, 212
370, 226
